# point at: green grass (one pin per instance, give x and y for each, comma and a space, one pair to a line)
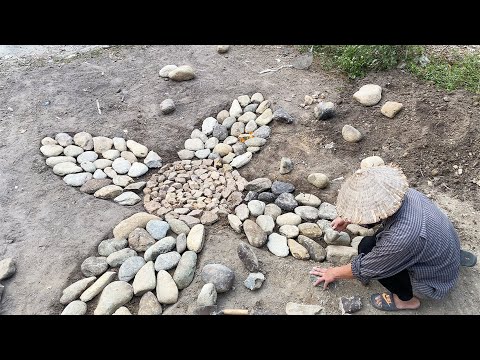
356, 61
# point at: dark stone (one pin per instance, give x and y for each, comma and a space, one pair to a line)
350, 304
315, 250
267, 197
251, 195
280, 187
220, 132
219, 275
282, 116
286, 201
248, 257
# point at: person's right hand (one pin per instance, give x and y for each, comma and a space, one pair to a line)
339, 224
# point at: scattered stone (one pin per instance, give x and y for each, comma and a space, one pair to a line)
286, 201
54, 160
208, 218
129, 156
210, 144
315, 250
73, 291
251, 127
119, 144
307, 213
256, 207
84, 140
230, 140
145, 279
149, 305
162, 246
130, 268
189, 220
167, 261
277, 244
243, 100
301, 309
208, 125
114, 295
266, 223
164, 71
127, 198
207, 296
280, 187
137, 169
242, 212
186, 154
257, 98
222, 149
255, 235
237, 129
182, 73
185, 270
391, 108
167, 290
98, 286
109, 246
196, 238
265, 118
122, 310
136, 186
356, 241
350, 305
308, 199
66, 168
99, 175
368, 95
297, 250
327, 211
153, 160
259, 184
102, 144
310, 230
108, 192
351, 134
248, 257
288, 219
272, 210
118, 257
219, 275
88, 167
111, 154
340, 255
90, 156
167, 106
263, 132
157, 228
75, 308
371, 161
77, 179
254, 281
51, 150
318, 179
286, 165
235, 223
290, 231
235, 109
282, 116
324, 110
222, 115
228, 123
264, 105
94, 266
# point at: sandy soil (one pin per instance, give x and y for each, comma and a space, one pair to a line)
50, 228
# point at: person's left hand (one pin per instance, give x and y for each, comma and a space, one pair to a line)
325, 274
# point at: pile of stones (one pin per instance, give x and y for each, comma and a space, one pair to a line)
99, 165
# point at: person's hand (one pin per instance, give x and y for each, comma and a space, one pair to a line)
339, 224
325, 274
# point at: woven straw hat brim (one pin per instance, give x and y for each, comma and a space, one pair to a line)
371, 194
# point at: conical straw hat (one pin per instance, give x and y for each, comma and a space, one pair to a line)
371, 194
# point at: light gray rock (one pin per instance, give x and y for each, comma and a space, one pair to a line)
109, 246
290, 231
288, 219
237, 129
235, 109
227, 159
118, 257
137, 149
196, 238
73, 291
122, 180
115, 294
265, 117
167, 106
247, 117
153, 160
94, 266
137, 169
248, 257
185, 270
318, 179
210, 144
130, 268
263, 132
108, 192
264, 105
209, 218
64, 139
256, 207
97, 287
241, 160
49, 141
102, 144
280, 187
139, 185
167, 290
229, 121
221, 276
310, 230
242, 212
220, 132
182, 73
51, 150
239, 148
111, 154
251, 108
255, 235
324, 224
145, 279
286, 165
301, 309
207, 296
340, 255
162, 246
266, 223
100, 175
255, 142
189, 220
254, 281
307, 213
327, 211
360, 230
286, 201
54, 160
129, 156
308, 200
370, 161
222, 115
157, 228
119, 144
77, 179
202, 154
272, 210
164, 71
122, 310
368, 95
194, 144
181, 243
391, 108
126, 226
324, 110
197, 134
257, 98
178, 226
87, 156
253, 149
208, 124
66, 168
102, 163
356, 241
298, 251
72, 150
251, 195
186, 154
277, 244
167, 261
315, 250
282, 116
149, 305
235, 223
88, 167
127, 198
259, 185
84, 140
351, 134
75, 308
222, 149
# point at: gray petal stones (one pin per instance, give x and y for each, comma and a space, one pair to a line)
239, 148
137, 169
259, 185
197, 134
98, 286
267, 197
308, 200
164, 71
235, 223
368, 95
111, 154
118, 257
210, 143
208, 218
119, 144
327, 211
282, 116
237, 129
241, 160
49, 141
255, 235
248, 257
256, 207
54, 160
108, 192
318, 179
286, 201
87, 156
242, 212
167, 106
186, 154
130, 268
324, 110
264, 105
137, 149
288, 219
196, 238
185, 270
235, 109
369, 162
301, 309
360, 230
297, 250
207, 296
255, 142
127, 198
125, 227
181, 243
109, 246
356, 241
114, 295
265, 118
350, 305
248, 118
139, 185
66, 168
160, 247
167, 290
84, 140
100, 175
73, 291
77, 179
272, 210
222, 149
51, 150
280, 187
251, 108
340, 255
222, 115
308, 213
202, 154
263, 132
351, 134
167, 261
122, 310
145, 279
229, 121
208, 124
257, 98
64, 139
266, 223
94, 266
7, 268
128, 155
102, 163
290, 231
315, 250
149, 305
178, 226
310, 230
157, 228
277, 244
254, 281
110, 172
72, 150
182, 73
189, 220
193, 144
122, 180
102, 144
88, 166
391, 108
220, 132
219, 275
140, 240
75, 308
286, 165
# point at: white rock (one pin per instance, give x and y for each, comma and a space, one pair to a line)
51, 150
186, 154
202, 154
256, 207
251, 126
182, 73
222, 149
257, 98
99, 174
196, 238
243, 100
149, 305
242, 212
391, 108
241, 160
265, 118
111, 154
128, 155
197, 134
98, 286
108, 192
327, 211
54, 160
153, 160
119, 144
122, 180
73, 291
114, 295
290, 231
72, 150
351, 134
137, 149
127, 198
308, 200
277, 244
371, 161
273, 210
87, 156
75, 308
110, 172
102, 144
264, 105
368, 95
64, 139
247, 117
235, 223
84, 140
137, 169
194, 144
49, 141
121, 166
145, 279
266, 223
288, 219
102, 163
77, 179
235, 109
211, 143
167, 290
207, 296
301, 309
122, 310
88, 166
208, 124
164, 71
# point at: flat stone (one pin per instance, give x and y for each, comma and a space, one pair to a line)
167, 290
307, 213
109, 246
72, 150
119, 144
75, 308
286, 201
263, 106
153, 160
122, 310
164, 71
302, 309
327, 211
266, 223
182, 73
282, 116
222, 115
94, 266
280, 187
350, 305
129, 156
90, 156
186, 154
286, 165
318, 180
263, 132
241, 160
77, 179
371, 161
140, 240
157, 228
189, 220
340, 255
356, 241
250, 108
97, 287
324, 110
257, 98
111, 154
288, 219
248, 257
277, 244
145, 279
255, 235
368, 95
298, 251
49, 141
137, 169
73, 291
130, 268
88, 167
178, 226
162, 246
219, 275
167, 261
127, 198
84, 140
102, 163
254, 281
115, 294
54, 160
51, 150
118, 257
308, 200
256, 207
272, 210
360, 230
351, 134
181, 243
149, 305
265, 117
196, 238
208, 218
310, 230
167, 106
235, 109
259, 185
315, 250
290, 231
207, 296
139, 185
235, 223
102, 144
64, 139
185, 270
137, 149
108, 192
66, 168
391, 108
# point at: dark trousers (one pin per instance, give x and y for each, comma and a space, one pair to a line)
399, 283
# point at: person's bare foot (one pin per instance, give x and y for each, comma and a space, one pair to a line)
413, 303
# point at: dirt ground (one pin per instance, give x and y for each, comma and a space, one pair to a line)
50, 228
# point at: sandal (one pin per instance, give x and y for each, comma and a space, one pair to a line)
387, 303
467, 258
